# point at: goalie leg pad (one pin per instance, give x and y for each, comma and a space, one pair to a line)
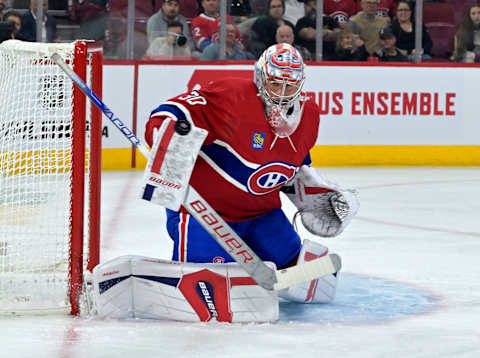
142, 287
321, 290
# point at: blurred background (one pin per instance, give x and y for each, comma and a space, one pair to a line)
349, 30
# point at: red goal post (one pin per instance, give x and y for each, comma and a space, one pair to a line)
50, 173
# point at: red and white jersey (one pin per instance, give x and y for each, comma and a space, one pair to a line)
340, 10
238, 171
206, 28
386, 8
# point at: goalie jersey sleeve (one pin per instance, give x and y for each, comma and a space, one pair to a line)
238, 171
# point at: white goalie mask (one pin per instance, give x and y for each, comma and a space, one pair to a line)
279, 77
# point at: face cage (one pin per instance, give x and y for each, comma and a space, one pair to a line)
281, 99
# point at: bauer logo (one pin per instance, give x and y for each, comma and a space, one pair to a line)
258, 140
270, 177
205, 290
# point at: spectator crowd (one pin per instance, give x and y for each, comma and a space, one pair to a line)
353, 30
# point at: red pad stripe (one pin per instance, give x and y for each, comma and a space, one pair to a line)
220, 299
183, 236
312, 290
162, 148
310, 256
242, 281
315, 190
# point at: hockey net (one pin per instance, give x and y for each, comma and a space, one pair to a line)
50, 144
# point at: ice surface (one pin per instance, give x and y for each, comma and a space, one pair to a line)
410, 285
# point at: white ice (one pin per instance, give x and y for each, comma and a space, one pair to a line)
417, 228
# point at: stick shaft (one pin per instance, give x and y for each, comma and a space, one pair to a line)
102, 106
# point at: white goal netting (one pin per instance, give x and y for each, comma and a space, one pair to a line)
36, 102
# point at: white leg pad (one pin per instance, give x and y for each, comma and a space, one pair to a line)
321, 290
142, 287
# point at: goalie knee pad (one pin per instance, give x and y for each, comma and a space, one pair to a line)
321, 290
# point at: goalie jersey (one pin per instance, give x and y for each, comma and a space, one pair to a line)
238, 171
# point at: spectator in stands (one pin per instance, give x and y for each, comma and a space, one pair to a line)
16, 19
350, 47
285, 35
388, 52
340, 10
92, 17
404, 29
157, 24
205, 26
29, 24
240, 10
233, 49
386, 8
368, 25
4, 7
467, 38
174, 43
294, 10
306, 33
263, 30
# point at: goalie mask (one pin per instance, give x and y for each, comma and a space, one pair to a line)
279, 77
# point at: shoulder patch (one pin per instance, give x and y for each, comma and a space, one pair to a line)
258, 140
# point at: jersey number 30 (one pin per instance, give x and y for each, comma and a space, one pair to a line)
193, 98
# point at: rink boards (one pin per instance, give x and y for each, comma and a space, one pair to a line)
370, 114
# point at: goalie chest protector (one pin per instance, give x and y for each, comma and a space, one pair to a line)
238, 171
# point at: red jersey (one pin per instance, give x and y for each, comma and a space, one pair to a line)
340, 10
238, 171
386, 8
205, 29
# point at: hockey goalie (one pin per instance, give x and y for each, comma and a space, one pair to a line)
248, 141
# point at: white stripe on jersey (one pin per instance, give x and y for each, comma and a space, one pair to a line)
253, 166
222, 173
181, 107
166, 114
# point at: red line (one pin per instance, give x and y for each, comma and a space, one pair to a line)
417, 183
416, 227
117, 216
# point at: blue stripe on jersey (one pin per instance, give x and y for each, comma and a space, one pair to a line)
169, 108
307, 160
228, 162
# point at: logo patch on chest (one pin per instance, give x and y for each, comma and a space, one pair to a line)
270, 177
258, 140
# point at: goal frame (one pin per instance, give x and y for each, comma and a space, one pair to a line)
82, 51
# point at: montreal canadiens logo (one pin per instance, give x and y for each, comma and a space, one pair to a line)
270, 177
285, 59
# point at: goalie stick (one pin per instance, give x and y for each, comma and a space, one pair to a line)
265, 276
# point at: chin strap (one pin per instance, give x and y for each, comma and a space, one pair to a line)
278, 119
289, 139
